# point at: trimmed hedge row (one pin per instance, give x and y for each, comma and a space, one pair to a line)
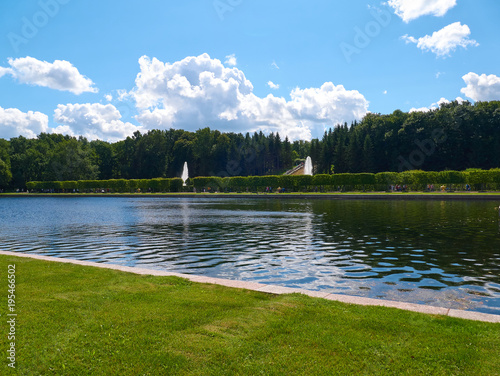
113, 185
415, 180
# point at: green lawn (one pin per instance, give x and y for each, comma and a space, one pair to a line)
75, 320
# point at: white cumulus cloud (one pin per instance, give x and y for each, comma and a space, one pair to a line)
444, 41
200, 91
123, 95
436, 105
59, 75
14, 123
481, 87
4, 71
93, 121
329, 103
231, 60
420, 109
272, 85
409, 10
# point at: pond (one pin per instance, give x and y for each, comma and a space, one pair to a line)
441, 253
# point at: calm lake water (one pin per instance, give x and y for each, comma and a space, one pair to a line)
442, 253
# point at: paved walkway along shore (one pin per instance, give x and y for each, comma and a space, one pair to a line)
273, 289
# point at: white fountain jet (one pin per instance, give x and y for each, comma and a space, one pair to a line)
185, 174
308, 167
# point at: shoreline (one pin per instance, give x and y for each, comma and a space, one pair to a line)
468, 196
277, 290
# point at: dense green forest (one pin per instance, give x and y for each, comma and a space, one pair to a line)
453, 137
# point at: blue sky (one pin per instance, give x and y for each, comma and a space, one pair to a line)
104, 69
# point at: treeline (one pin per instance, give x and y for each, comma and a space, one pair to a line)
384, 181
453, 137
155, 154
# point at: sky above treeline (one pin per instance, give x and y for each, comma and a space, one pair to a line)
105, 69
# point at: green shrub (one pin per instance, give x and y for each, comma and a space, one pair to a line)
176, 185
478, 178
69, 185
386, 179
451, 177
237, 183
322, 180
